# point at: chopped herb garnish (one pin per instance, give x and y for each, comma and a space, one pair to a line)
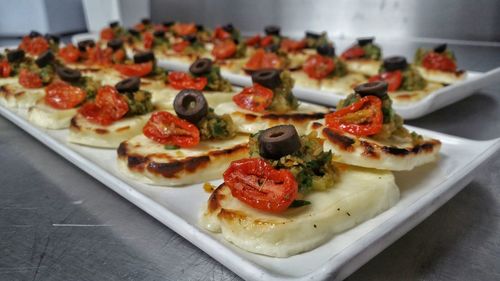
171, 147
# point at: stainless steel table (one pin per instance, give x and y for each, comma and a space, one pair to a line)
58, 223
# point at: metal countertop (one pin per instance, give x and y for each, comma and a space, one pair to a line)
58, 223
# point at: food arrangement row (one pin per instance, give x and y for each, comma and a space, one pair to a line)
294, 173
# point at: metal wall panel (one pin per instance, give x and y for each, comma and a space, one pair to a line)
477, 20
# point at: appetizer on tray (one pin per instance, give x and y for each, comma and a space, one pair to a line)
438, 65
363, 57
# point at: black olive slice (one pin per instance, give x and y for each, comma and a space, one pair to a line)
272, 30
278, 141
15, 55
168, 23
159, 33
146, 21
201, 66
363, 41
269, 78
313, 35
440, 48
190, 105
134, 32
228, 28
53, 38
115, 44
44, 59
272, 48
378, 88
68, 74
200, 27
190, 38
395, 63
326, 50
114, 24
144, 57
128, 85
82, 45
34, 34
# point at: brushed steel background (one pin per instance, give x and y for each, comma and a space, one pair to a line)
477, 20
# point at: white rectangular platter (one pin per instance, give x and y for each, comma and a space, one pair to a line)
432, 102
422, 192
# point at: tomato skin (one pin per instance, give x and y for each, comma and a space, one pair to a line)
69, 53
255, 182
148, 39
255, 98
138, 69
221, 34
181, 81
5, 68
34, 46
140, 27
183, 29
253, 41
336, 121
119, 56
260, 59
166, 128
433, 60
394, 79
289, 45
318, 66
29, 79
61, 95
108, 107
180, 46
267, 40
107, 33
96, 55
353, 53
225, 49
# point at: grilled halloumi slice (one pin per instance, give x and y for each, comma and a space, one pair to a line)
359, 195
444, 77
344, 84
367, 67
150, 162
408, 97
48, 117
369, 153
82, 131
251, 122
14, 95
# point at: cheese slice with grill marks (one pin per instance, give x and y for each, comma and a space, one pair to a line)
444, 77
366, 152
359, 195
16, 96
149, 162
367, 67
408, 97
251, 122
48, 117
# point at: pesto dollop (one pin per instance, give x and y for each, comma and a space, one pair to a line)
216, 82
216, 127
372, 51
139, 103
283, 98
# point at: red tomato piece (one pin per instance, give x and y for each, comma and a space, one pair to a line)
5, 68
260, 59
61, 95
108, 107
225, 49
180, 46
253, 41
34, 46
394, 79
342, 119
166, 128
181, 80
289, 45
438, 61
137, 70
255, 182
96, 55
268, 40
107, 33
69, 53
119, 56
318, 66
353, 53
255, 98
148, 39
29, 79
183, 29
221, 34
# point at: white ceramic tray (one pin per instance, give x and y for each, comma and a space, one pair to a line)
422, 192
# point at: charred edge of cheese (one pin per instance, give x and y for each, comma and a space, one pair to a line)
444, 77
367, 67
82, 131
365, 152
251, 122
408, 97
149, 162
47, 117
16, 96
359, 195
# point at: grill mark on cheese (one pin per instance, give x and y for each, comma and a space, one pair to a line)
169, 170
215, 198
369, 150
122, 128
101, 131
74, 124
344, 142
